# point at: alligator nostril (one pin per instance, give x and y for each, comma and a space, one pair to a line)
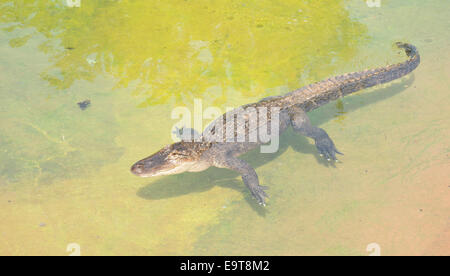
137, 169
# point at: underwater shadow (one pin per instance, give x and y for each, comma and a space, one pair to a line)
187, 183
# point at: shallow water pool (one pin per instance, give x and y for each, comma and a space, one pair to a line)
64, 171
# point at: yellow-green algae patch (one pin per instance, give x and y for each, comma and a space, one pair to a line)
180, 48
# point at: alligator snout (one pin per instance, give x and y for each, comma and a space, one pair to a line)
137, 169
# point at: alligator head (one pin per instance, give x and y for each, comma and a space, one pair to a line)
172, 159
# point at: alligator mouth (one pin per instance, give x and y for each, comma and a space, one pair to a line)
168, 169
141, 173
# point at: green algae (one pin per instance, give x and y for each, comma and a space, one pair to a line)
68, 169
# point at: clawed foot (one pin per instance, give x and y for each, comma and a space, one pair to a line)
326, 148
259, 194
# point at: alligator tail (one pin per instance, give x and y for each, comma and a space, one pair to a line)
320, 93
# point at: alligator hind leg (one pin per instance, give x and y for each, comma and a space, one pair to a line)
301, 124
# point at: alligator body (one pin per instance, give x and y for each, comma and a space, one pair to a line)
201, 153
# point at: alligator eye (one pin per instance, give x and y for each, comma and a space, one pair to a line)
177, 154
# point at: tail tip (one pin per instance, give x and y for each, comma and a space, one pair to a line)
409, 49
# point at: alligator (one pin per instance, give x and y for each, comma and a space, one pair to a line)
201, 152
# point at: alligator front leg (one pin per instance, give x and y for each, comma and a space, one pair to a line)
248, 174
186, 134
301, 124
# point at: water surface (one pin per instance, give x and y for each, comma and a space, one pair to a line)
64, 172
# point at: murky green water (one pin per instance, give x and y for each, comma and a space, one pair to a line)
64, 172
